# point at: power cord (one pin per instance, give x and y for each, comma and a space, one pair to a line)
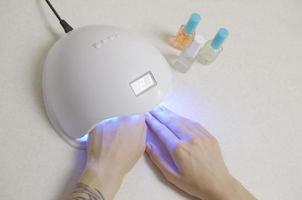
67, 28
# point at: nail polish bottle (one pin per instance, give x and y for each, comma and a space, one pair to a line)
187, 56
209, 52
186, 33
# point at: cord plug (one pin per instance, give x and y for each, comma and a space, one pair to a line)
67, 28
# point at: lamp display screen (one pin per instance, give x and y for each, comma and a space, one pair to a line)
143, 83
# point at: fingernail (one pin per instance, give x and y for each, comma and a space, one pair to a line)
162, 107
148, 115
157, 109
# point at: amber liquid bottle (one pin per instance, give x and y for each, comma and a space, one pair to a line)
186, 33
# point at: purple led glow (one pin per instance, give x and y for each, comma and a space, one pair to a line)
84, 138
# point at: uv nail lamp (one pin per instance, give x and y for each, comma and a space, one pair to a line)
98, 72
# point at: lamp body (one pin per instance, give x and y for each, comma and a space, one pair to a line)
98, 72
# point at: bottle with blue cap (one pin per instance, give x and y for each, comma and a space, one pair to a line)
212, 48
186, 33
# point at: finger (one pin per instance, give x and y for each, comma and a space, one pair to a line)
95, 133
180, 126
135, 124
187, 126
138, 118
202, 131
155, 157
94, 140
141, 121
168, 139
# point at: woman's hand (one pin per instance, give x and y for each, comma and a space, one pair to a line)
114, 146
195, 165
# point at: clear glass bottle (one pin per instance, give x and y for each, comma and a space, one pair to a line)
186, 33
187, 56
212, 48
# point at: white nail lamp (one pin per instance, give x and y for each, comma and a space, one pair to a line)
98, 72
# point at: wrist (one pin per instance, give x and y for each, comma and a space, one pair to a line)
237, 191
229, 192
105, 181
220, 190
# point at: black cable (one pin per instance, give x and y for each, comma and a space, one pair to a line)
67, 28
53, 10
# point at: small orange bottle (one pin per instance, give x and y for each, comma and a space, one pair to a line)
186, 33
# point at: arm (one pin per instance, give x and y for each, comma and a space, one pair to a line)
114, 147
198, 167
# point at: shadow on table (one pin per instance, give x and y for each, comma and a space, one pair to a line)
74, 175
40, 59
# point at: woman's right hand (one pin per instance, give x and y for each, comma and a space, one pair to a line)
198, 167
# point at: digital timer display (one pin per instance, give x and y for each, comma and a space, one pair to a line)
143, 83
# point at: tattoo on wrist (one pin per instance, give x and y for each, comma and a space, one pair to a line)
84, 192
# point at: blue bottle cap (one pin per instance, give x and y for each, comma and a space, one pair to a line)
192, 23
219, 38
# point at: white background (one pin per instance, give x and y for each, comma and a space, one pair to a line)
250, 98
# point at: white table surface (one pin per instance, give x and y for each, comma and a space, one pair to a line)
250, 98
